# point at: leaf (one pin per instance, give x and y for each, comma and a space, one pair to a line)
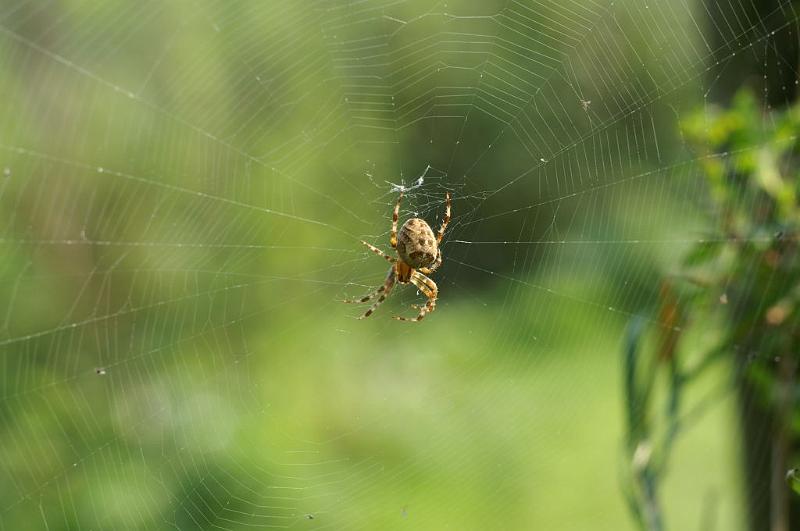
702, 252
636, 394
769, 178
793, 479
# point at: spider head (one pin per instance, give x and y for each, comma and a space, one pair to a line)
416, 243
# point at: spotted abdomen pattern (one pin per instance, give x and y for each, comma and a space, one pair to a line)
416, 243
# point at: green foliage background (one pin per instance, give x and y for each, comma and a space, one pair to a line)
184, 189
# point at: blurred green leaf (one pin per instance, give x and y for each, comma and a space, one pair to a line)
702, 253
793, 479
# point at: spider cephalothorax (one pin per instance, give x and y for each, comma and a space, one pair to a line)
418, 255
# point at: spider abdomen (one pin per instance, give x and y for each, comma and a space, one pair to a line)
416, 243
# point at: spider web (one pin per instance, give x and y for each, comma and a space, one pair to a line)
184, 186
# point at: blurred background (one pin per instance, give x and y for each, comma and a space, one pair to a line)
183, 190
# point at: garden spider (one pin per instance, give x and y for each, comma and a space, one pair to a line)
418, 254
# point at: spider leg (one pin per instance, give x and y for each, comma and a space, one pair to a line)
366, 298
434, 266
429, 289
379, 252
395, 217
445, 221
386, 290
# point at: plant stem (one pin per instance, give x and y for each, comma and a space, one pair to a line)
652, 508
779, 500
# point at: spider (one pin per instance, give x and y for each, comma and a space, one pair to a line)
418, 255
